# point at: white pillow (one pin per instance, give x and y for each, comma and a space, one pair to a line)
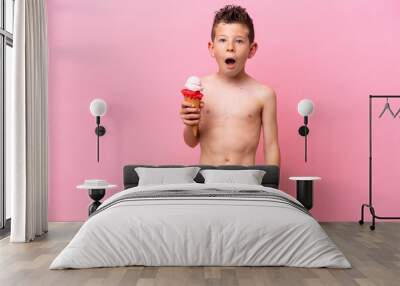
162, 176
249, 177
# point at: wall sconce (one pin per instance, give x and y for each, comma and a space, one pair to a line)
98, 108
305, 108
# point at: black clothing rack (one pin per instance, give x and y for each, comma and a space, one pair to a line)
369, 205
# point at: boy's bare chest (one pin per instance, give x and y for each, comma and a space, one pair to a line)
237, 105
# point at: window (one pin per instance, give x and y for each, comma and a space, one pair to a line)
6, 60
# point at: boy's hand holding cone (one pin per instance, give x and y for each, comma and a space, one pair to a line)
190, 112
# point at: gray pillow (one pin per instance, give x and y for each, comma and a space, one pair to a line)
162, 176
249, 177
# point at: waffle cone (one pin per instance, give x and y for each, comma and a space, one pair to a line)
195, 103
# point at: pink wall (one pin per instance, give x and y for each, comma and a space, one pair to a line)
137, 54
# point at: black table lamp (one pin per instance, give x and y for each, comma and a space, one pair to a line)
98, 108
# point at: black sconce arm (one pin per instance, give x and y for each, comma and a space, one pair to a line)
100, 131
303, 131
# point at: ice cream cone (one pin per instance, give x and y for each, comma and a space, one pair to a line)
193, 96
195, 103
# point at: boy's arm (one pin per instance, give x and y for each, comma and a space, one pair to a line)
270, 130
189, 137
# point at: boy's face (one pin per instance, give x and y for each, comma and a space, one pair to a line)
231, 47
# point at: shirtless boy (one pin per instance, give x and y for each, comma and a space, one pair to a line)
235, 106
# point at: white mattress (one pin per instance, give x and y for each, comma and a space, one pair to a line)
183, 231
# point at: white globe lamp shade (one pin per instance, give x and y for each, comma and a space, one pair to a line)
98, 107
305, 107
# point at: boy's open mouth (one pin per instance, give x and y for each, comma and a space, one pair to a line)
230, 61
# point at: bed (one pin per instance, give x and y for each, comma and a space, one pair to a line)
201, 224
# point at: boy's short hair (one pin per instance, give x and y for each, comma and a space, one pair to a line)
233, 14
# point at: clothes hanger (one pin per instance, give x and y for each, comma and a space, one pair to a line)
398, 111
387, 106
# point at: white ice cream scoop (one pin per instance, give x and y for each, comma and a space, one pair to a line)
193, 83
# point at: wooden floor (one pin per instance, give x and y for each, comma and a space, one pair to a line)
374, 255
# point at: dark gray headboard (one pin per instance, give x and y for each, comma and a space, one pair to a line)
271, 177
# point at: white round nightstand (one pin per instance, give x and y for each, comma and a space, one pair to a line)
304, 190
96, 193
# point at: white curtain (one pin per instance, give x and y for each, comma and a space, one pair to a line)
26, 123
